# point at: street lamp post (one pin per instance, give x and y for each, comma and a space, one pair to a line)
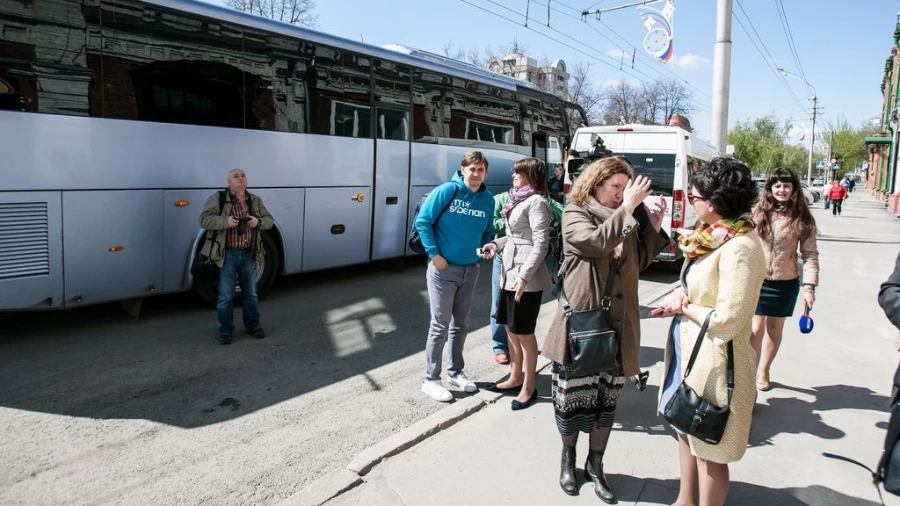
812, 136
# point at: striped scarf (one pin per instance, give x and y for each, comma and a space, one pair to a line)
707, 237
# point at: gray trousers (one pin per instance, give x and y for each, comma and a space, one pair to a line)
450, 292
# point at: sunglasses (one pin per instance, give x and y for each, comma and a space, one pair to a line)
694, 198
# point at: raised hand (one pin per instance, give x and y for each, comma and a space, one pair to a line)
635, 192
657, 213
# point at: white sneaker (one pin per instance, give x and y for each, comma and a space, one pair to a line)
436, 391
461, 381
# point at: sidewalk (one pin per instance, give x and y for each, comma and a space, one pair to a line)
831, 395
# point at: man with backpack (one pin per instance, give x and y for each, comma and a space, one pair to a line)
453, 223
234, 219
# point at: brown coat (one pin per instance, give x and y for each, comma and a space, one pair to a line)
589, 245
781, 253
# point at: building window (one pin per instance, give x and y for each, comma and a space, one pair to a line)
393, 125
349, 120
480, 131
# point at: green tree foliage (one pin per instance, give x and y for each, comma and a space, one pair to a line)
847, 143
762, 145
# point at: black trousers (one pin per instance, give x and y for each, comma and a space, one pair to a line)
836, 207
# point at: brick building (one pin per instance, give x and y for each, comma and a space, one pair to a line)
883, 178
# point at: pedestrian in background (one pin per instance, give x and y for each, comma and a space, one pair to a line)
723, 272
453, 265
606, 220
524, 275
557, 184
836, 195
241, 216
784, 225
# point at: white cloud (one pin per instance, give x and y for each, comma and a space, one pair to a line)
690, 61
618, 54
611, 83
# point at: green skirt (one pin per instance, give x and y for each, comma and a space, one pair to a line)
778, 298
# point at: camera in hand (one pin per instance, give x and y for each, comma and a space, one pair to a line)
242, 226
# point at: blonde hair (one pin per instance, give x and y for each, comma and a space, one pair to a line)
596, 173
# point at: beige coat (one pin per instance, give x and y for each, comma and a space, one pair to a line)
728, 279
589, 245
781, 253
524, 247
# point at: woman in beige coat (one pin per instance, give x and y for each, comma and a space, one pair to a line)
605, 220
784, 225
524, 275
723, 272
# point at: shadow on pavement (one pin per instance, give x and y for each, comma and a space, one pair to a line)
630, 489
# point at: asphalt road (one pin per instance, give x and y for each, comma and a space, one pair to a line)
100, 408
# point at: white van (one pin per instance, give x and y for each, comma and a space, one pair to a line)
665, 154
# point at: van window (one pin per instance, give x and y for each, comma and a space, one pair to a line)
660, 168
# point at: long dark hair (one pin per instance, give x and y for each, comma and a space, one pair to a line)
536, 172
802, 221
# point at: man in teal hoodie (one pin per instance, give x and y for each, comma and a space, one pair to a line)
455, 220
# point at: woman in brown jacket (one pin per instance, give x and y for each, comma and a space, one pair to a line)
784, 224
605, 220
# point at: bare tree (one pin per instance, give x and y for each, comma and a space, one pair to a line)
674, 98
583, 92
651, 97
623, 103
295, 12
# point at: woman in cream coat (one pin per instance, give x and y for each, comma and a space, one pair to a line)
723, 272
524, 275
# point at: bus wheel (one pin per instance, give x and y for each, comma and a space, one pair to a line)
266, 273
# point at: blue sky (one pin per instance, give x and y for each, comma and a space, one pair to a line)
842, 46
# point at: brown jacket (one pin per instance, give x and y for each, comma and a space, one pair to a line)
589, 245
781, 253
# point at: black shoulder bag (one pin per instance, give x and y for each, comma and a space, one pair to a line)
593, 344
203, 268
691, 413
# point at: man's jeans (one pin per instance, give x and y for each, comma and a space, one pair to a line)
238, 262
498, 332
450, 293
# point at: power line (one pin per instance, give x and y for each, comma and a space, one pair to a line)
770, 61
779, 5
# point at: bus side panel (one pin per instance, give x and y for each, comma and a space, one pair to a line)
31, 269
287, 206
113, 244
390, 202
182, 223
336, 227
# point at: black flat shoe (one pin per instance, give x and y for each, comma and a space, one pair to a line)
492, 387
516, 405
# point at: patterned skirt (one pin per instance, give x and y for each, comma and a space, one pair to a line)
584, 403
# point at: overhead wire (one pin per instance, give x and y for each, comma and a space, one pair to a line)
785, 24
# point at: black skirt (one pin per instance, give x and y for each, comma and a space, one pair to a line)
521, 317
778, 298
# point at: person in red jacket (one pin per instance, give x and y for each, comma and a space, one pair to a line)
836, 194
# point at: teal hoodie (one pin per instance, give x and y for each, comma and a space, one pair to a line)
463, 228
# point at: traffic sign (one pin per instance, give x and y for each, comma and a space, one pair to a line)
820, 165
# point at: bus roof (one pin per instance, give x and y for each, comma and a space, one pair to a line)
396, 53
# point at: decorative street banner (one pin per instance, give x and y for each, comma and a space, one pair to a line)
660, 38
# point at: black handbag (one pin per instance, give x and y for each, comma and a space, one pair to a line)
593, 344
691, 413
204, 269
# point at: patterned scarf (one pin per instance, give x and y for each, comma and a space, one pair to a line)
707, 237
516, 196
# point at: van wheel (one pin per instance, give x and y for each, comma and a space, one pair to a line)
266, 273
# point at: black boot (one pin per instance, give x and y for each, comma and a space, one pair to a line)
593, 468
567, 479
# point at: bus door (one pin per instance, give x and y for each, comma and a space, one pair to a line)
393, 131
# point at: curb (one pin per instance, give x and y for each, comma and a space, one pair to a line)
336, 483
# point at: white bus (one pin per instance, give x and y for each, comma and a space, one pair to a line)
120, 117
665, 154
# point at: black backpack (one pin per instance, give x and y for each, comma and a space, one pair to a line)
555, 251
415, 242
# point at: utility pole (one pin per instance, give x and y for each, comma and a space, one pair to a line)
812, 144
721, 75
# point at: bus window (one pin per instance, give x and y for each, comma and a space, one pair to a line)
392, 100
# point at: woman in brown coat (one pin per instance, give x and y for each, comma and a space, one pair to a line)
605, 220
784, 225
